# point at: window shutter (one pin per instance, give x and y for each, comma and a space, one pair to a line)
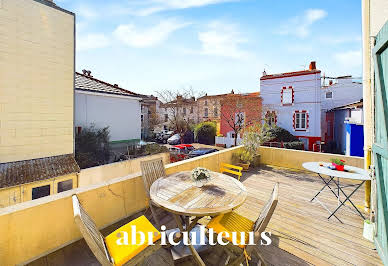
281, 95
307, 120
293, 121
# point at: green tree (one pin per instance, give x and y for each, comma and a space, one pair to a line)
92, 146
205, 132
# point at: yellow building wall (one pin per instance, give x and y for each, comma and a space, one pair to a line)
10, 196
294, 158
107, 172
374, 16
36, 80
13, 195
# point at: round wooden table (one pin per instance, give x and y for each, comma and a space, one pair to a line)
178, 194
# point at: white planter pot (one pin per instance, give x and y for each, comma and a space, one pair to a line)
368, 232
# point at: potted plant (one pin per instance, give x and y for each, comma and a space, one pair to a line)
243, 158
338, 164
253, 137
368, 232
200, 176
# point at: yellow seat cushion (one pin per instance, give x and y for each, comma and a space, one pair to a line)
123, 253
231, 222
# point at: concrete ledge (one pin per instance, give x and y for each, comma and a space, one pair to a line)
98, 174
295, 158
36, 228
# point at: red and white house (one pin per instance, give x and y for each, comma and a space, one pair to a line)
293, 101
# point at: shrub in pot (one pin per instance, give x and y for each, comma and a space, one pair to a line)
253, 137
243, 158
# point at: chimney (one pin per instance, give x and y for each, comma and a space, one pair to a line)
232, 92
313, 66
264, 73
116, 85
87, 72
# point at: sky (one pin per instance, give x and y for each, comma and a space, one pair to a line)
213, 45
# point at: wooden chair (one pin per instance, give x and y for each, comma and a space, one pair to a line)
152, 170
231, 169
108, 252
233, 222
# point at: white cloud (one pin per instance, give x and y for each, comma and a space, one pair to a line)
340, 39
131, 35
86, 12
92, 41
180, 4
349, 59
313, 15
222, 40
300, 26
148, 7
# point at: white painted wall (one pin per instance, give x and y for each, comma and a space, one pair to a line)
228, 141
357, 116
307, 97
120, 113
344, 92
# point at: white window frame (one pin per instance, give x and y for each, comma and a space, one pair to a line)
236, 118
287, 94
299, 116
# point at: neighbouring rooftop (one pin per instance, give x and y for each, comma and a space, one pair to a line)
355, 105
87, 82
312, 70
301, 233
28, 171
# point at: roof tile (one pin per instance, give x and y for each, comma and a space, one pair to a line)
87, 83
22, 172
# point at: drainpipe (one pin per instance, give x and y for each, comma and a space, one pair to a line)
367, 95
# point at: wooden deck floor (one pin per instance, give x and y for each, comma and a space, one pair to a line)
301, 232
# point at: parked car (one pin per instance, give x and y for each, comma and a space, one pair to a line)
178, 153
163, 136
174, 139
201, 151
185, 148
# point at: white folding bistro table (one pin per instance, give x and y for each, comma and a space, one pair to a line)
350, 173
